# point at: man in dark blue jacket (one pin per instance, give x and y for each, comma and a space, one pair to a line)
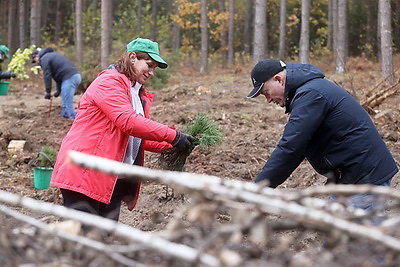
327, 126
62, 70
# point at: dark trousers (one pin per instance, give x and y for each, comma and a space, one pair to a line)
81, 202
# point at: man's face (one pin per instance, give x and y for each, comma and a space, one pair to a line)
274, 90
35, 58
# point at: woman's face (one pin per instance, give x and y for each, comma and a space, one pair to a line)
144, 69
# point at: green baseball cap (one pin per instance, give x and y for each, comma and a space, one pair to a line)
5, 50
148, 46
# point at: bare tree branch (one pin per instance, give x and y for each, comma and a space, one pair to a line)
152, 241
214, 185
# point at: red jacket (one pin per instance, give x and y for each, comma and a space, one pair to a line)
102, 127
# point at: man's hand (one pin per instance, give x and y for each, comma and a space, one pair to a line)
7, 75
47, 96
182, 141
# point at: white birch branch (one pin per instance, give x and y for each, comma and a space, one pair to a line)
213, 184
78, 239
149, 240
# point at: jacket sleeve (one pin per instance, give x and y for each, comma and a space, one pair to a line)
113, 98
44, 63
5, 75
154, 146
309, 109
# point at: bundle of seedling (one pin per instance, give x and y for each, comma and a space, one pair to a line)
206, 134
47, 157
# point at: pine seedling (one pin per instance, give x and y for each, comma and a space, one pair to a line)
206, 133
47, 156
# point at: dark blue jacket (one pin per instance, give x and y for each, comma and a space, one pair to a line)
329, 128
56, 66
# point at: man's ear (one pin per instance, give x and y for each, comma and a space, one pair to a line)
277, 78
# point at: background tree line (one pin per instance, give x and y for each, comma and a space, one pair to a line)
94, 32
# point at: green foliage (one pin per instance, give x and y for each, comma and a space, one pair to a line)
91, 21
318, 27
47, 157
125, 26
90, 68
207, 134
18, 62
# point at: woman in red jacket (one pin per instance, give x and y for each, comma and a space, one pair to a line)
113, 122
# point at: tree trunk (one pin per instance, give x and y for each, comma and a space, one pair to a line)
341, 37
12, 31
57, 27
22, 23
305, 32
78, 25
44, 12
386, 41
334, 28
224, 33
3, 19
282, 30
397, 27
106, 11
260, 27
34, 28
176, 38
231, 30
247, 27
329, 42
154, 7
204, 36
94, 41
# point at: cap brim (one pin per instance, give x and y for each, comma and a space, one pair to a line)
161, 62
256, 90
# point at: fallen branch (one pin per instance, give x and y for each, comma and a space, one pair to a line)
211, 185
149, 240
379, 96
87, 242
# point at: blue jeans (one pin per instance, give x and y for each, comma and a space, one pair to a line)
68, 88
368, 202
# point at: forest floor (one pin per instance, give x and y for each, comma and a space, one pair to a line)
251, 129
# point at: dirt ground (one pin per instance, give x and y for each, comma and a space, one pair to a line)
251, 129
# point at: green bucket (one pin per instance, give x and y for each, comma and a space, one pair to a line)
42, 177
4, 87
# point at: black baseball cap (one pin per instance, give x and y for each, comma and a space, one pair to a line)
34, 53
263, 71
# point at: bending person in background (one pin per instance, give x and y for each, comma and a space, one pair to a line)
63, 71
113, 122
4, 53
327, 126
